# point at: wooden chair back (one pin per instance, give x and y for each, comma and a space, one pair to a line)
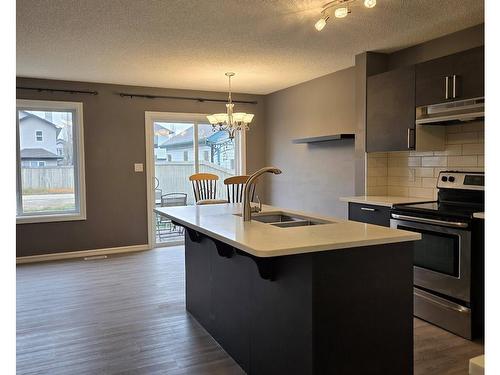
235, 186
204, 185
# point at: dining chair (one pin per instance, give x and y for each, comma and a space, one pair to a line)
205, 188
236, 186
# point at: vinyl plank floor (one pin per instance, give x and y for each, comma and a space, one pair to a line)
126, 315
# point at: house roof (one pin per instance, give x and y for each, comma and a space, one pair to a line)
218, 137
38, 153
162, 130
23, 115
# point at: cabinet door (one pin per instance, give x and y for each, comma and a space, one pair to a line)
468, 74
390, 111
433, 81
454, 77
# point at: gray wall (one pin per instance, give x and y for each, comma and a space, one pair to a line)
316, 175
114, 141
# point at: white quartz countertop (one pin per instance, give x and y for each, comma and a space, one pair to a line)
383, 200
264, 240
478, 215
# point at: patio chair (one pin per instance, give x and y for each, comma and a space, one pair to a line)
170, 200
205, 188
235, 187
173, 199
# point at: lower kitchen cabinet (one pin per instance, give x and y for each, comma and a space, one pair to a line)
370, 214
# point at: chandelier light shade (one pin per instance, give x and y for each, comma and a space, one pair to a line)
340, 8
230, 121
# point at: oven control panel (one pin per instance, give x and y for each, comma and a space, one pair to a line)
461, 180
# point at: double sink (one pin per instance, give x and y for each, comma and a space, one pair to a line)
286, 219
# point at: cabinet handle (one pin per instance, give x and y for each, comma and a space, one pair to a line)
454, 93
368, 209
410, 144
446, 87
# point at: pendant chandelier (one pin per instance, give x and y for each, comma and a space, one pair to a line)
230, 121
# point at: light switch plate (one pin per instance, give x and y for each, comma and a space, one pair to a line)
138, 167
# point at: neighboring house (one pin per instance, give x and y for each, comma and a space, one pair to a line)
38, 141
213, 147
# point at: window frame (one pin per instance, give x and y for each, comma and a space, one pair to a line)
41, 135
80, 212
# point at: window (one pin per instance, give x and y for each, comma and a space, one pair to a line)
55, 192
186, 155
35, 164
206, 155
169, 157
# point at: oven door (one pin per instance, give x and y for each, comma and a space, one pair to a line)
441, 258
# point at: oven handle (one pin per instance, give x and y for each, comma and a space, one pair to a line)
453, 224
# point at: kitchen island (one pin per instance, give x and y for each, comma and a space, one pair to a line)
305, 295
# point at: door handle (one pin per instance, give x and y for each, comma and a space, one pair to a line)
368, 209
446, 87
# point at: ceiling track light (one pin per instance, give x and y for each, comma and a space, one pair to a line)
340, 10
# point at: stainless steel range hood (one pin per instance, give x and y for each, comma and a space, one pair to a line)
450, 112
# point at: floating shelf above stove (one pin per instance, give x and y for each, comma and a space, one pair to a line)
324, 138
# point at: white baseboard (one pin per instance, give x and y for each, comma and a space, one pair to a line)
81, 254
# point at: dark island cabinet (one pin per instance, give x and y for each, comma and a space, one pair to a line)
390, 111
455, 77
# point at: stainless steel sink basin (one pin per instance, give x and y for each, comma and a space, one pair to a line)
286, 220
273, 218
298, 223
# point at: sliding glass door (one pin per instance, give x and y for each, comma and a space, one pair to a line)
185, 144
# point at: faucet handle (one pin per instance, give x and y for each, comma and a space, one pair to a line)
260, 203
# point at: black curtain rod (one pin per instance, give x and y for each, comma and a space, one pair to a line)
127, 95
40, 89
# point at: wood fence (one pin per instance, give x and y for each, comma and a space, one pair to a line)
173, 178
47, 179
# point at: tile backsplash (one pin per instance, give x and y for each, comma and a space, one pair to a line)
414, 174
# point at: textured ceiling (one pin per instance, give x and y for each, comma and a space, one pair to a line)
189, 44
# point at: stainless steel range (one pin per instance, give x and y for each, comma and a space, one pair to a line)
449, 260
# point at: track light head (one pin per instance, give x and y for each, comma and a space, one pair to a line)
321, 23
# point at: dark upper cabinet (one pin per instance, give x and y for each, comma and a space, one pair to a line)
454, 77
390, 110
